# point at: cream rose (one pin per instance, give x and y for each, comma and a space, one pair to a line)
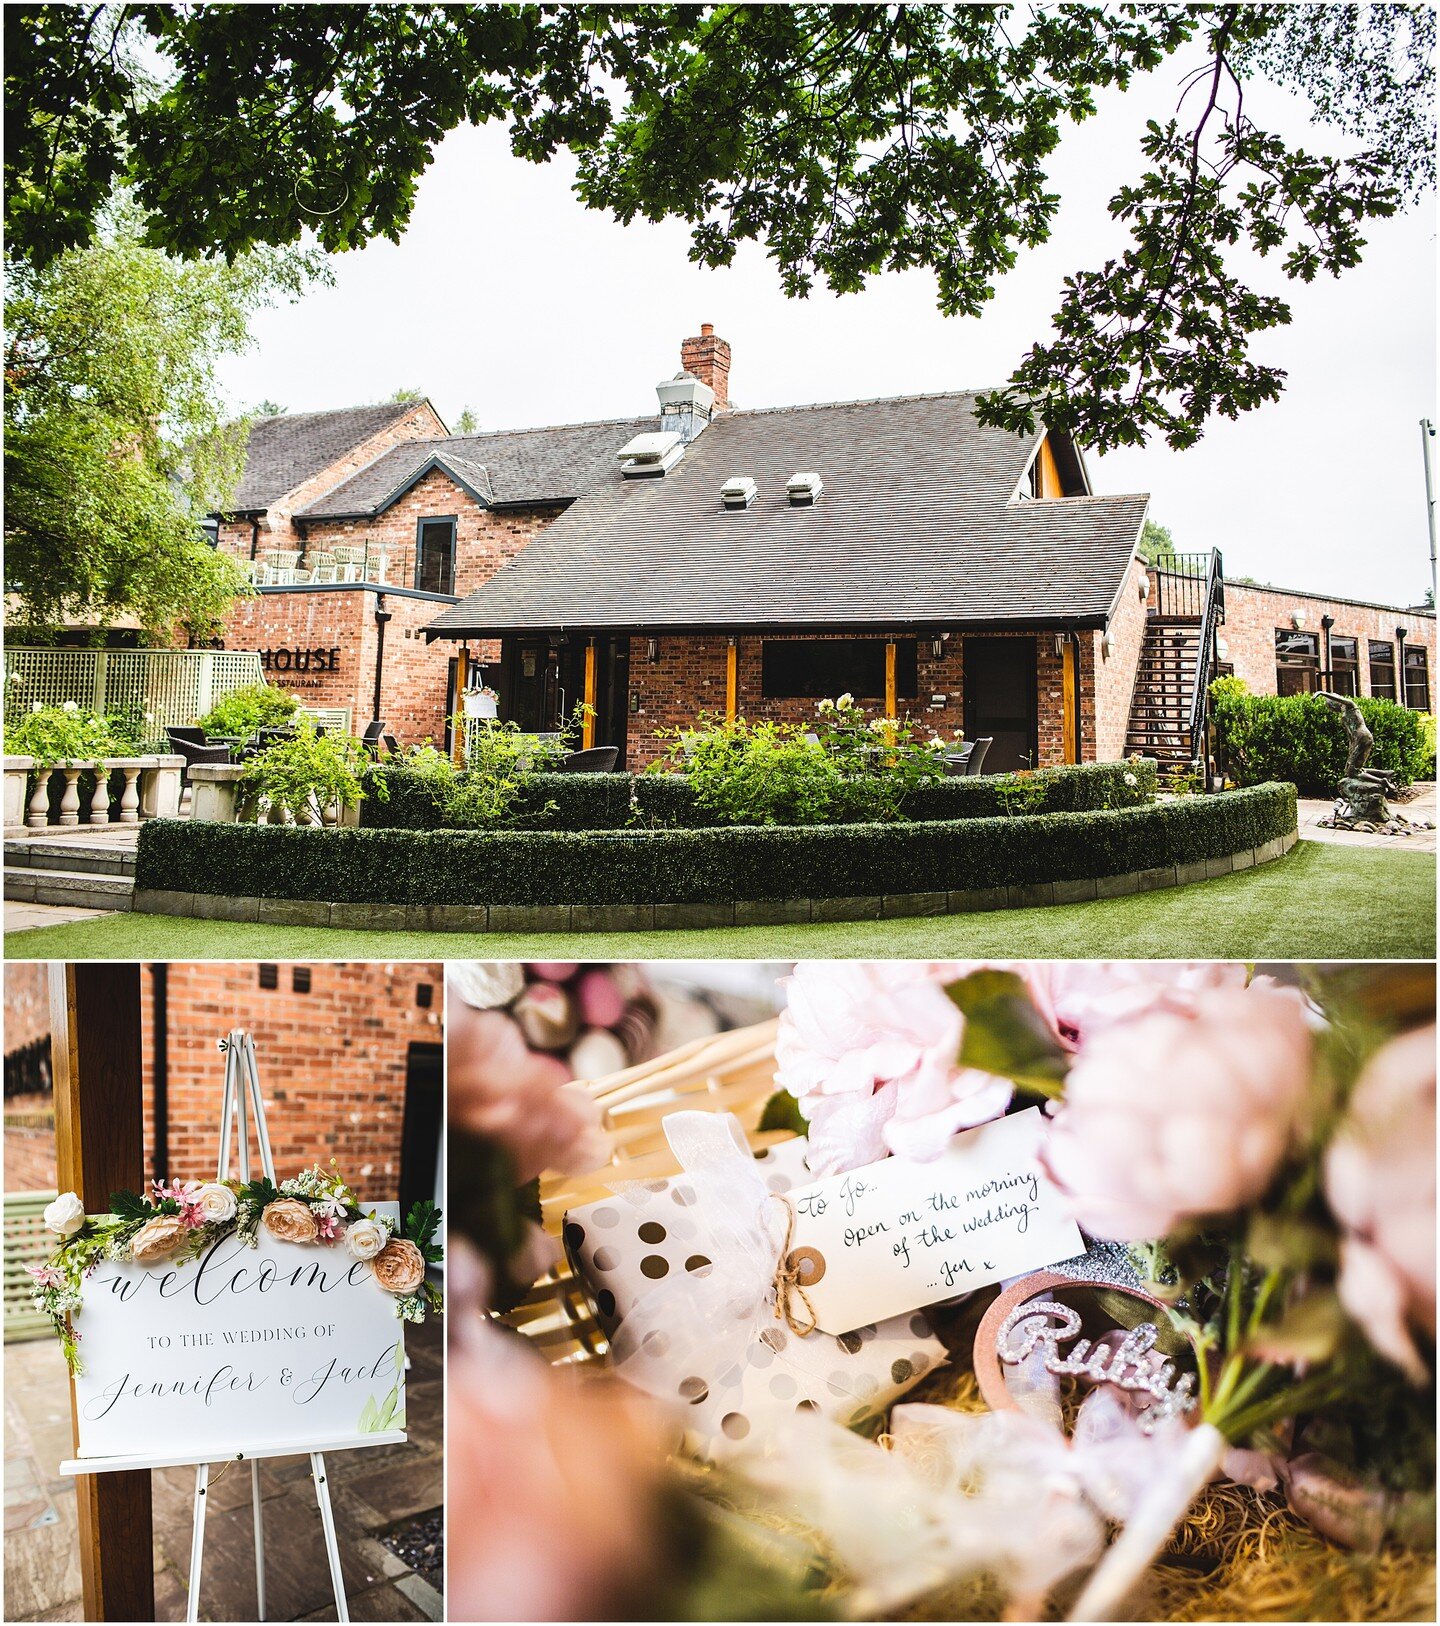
216, 1203
65, 1215
158, 1239
399, 1266
291, 1220
365, 1238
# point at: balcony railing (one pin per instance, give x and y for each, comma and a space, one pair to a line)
1182, 584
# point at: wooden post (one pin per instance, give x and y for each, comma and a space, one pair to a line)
587, 731
457, 727
1068, 697
95, 1029
891, 690
732, 679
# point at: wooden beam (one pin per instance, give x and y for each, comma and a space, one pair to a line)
891, 688
1068, 697
732, 679
457, 726
587, 730
95, 1036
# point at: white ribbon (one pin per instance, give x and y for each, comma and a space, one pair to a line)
688, 1339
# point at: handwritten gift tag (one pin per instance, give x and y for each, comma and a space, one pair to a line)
897, 1235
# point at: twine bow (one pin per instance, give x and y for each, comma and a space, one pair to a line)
789, 1281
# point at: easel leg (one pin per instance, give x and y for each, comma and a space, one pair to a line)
327, 1519
259, 1540
197, 1542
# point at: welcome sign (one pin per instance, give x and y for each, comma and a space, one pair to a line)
239, 1349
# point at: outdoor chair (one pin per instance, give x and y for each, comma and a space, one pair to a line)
957, 762
977, 754
193, 734
598, 759
375, 736
183, 744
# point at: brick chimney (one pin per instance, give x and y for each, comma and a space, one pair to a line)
708, 358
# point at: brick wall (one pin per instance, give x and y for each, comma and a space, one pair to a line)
689, 677
332, 1068
1253, 614
332, 1062
29, 1117
27, 1004
1114, 683
484, 538
277, 527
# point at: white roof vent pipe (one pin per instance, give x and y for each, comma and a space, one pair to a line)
650, 456
804, 489
738, 491
686, 405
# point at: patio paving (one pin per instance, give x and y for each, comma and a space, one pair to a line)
373, 1492
1421, 806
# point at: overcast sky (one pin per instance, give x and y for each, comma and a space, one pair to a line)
508, 296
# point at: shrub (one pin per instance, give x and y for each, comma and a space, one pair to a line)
844, 768
701, 866
65, 733
304, 775
244, 711
1299, 738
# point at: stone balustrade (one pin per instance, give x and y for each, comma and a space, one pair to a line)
215, 798
149, 789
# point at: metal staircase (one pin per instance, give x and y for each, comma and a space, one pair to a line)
1177, 661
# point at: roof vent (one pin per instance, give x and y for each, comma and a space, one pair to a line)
650, 456
738, 491
686, 405
804, 489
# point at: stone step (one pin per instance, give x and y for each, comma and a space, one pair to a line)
72, 888
69, 857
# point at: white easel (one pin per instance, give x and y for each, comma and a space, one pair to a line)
242, 1080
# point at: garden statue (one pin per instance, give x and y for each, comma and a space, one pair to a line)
1361, 793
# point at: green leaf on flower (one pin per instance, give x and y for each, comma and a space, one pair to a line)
261, 1192
782, 1111
1005, 1034
420, 1227
1309, 1332
1276, 1242
130, 1207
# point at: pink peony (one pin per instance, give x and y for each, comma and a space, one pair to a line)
1083, 997
1181, 1112
869, 1050
1380, 1180
526, 1101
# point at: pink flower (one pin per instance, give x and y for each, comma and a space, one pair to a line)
522, 1099
1083, 997
1181, 1112
869, 1050
46, 1275
330, 1227
1380, 1181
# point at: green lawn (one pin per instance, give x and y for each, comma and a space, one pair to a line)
1321, 902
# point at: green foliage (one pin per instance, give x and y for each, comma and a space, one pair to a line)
848, 140
1156, 543
1298, 737
782, 1111
844, 767
1006, 1035
67, 733
701, 866
243, 711
420, 1227
305, 775
467, 423
496, 788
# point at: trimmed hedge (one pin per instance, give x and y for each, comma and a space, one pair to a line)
603, 801
700, 866
1260, 737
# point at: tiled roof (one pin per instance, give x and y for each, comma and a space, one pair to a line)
501, 466
290, 448
915, 523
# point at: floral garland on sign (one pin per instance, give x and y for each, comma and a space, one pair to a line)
178, 1222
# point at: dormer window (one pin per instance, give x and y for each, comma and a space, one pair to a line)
435, 555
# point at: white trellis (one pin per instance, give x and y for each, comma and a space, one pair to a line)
172, 686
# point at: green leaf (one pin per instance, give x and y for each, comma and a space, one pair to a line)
368, 1413
782, 1111
128, 1206
1309, 1332
1006, 1035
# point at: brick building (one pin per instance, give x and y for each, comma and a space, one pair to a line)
350, 1068
968, 577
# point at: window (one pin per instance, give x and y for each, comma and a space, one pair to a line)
424, 995
1344, 665
300, 979
1417, 678
1382, 670
822, 668
269, 975
435, 555
1297, 661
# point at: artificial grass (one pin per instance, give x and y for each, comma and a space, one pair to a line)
1320, 902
